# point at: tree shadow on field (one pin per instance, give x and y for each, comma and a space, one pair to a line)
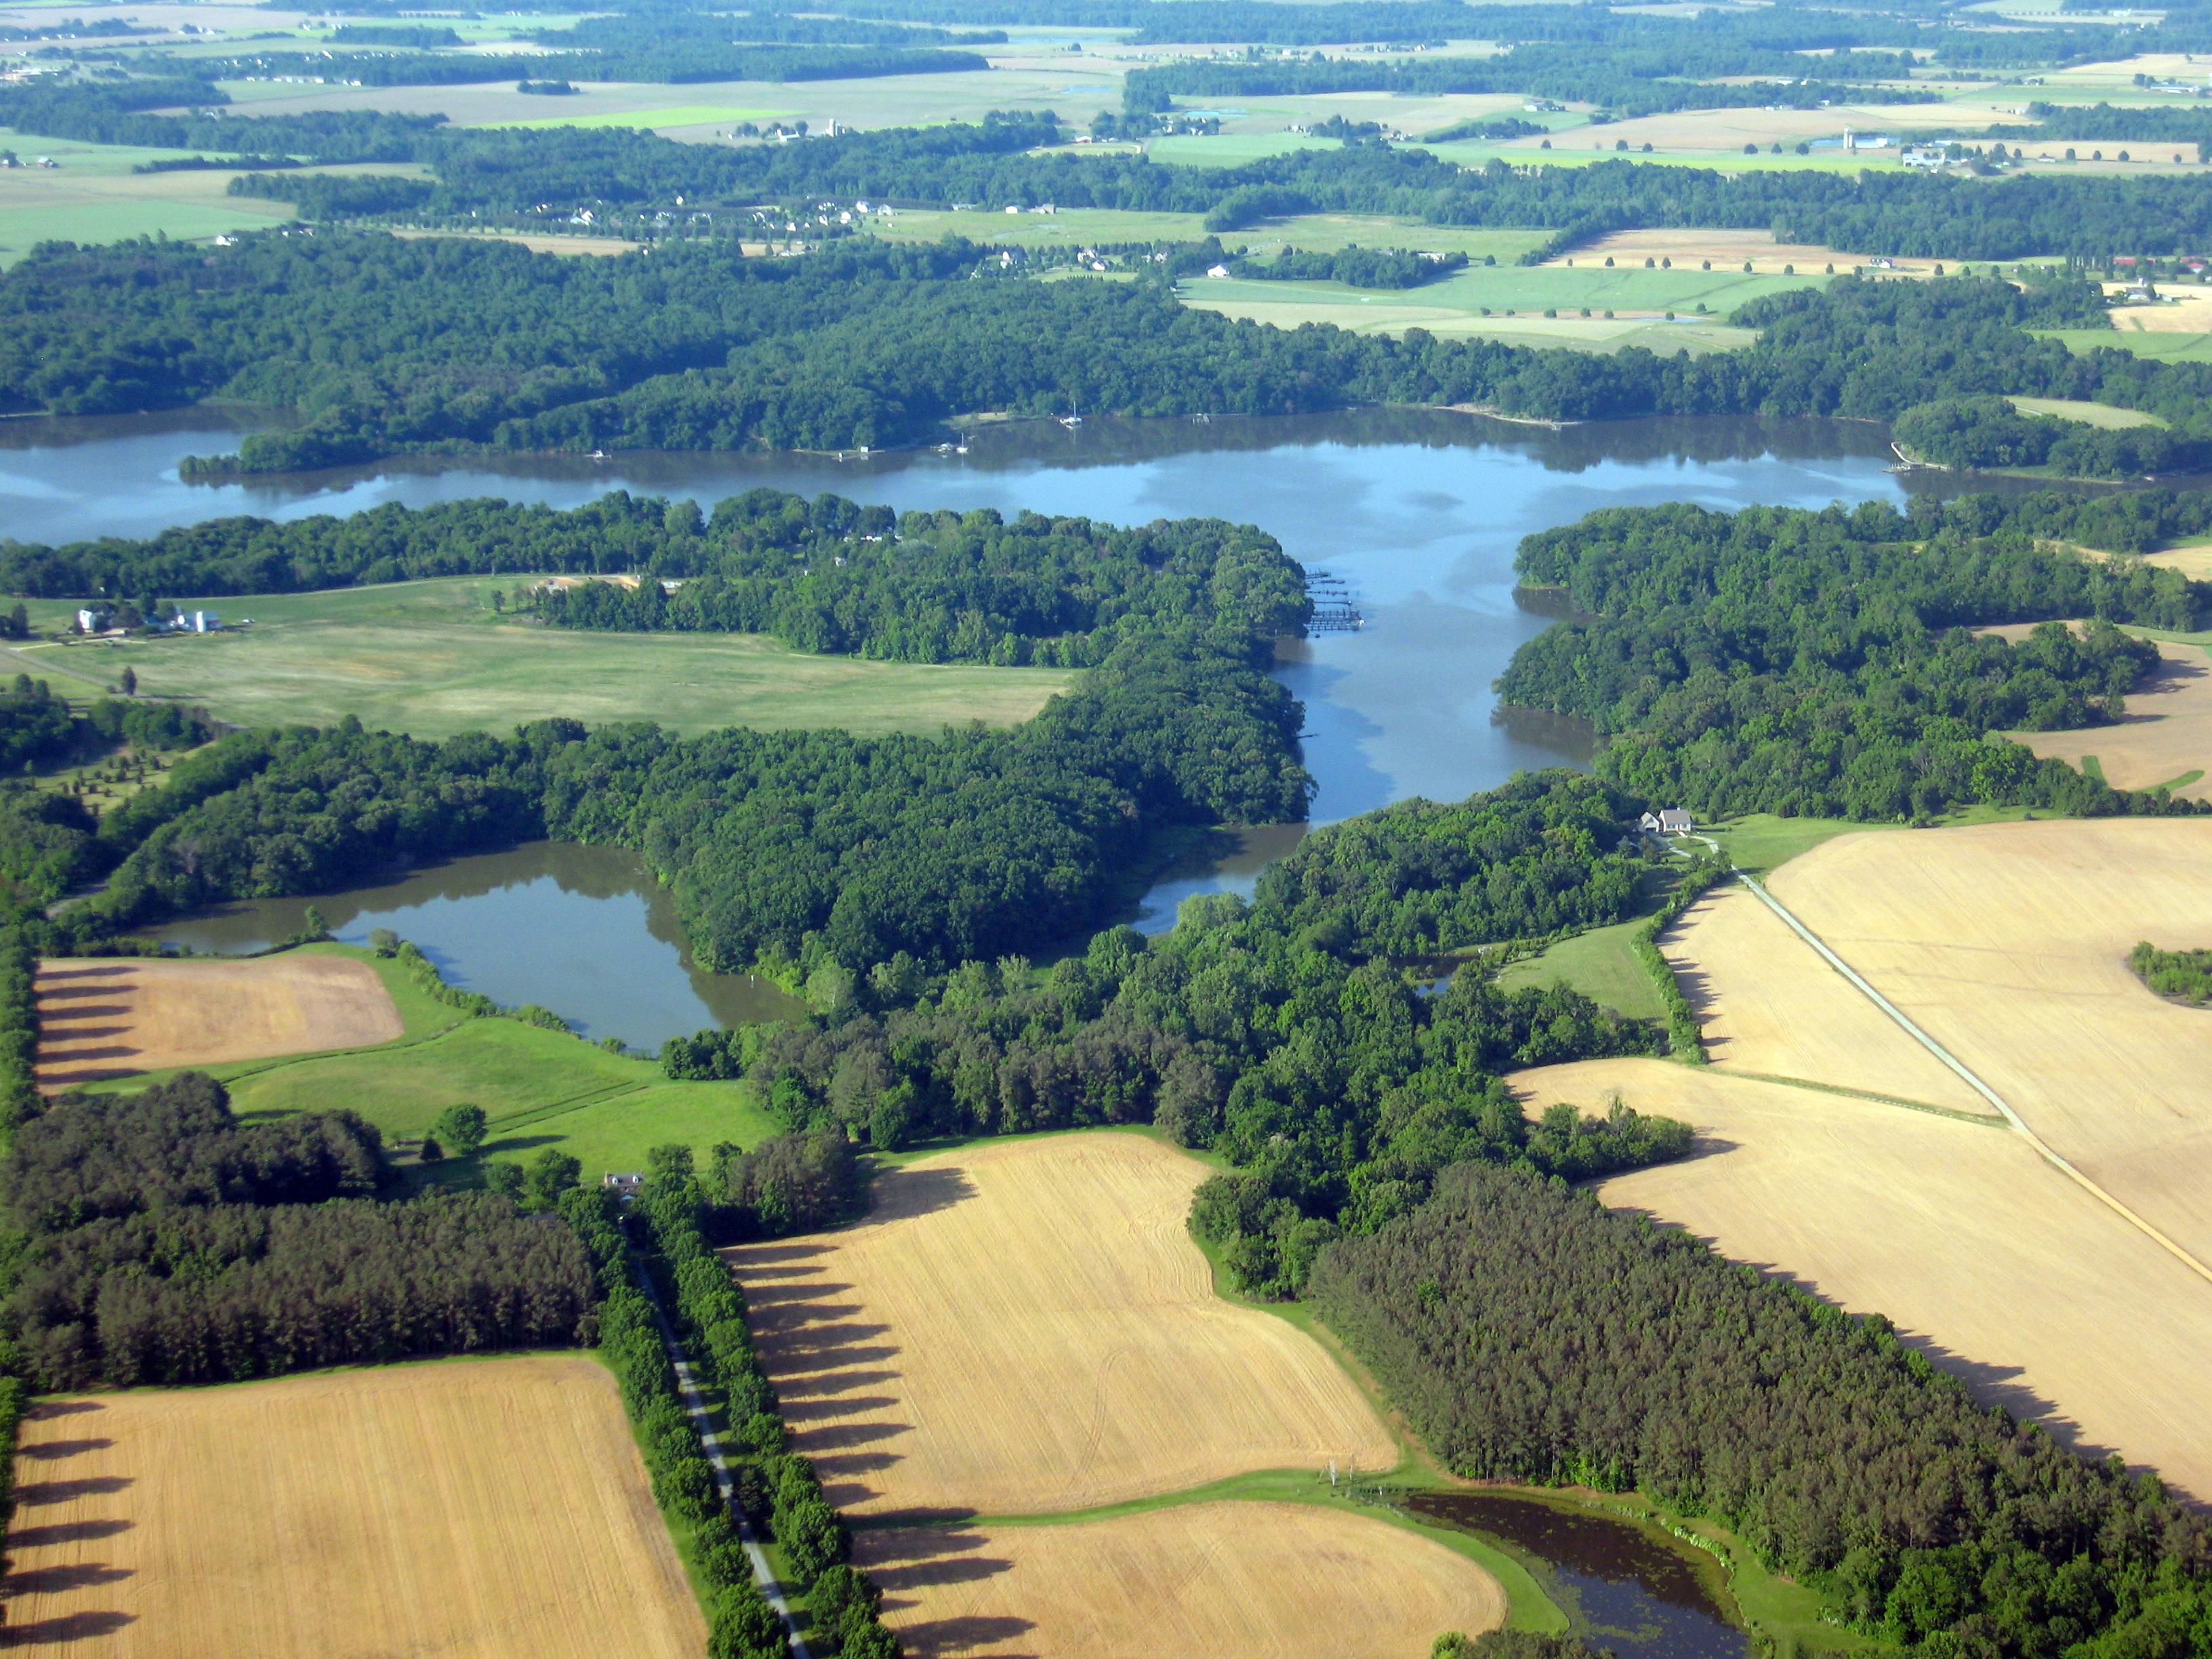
41, 1587
907, 1562
1990, 1383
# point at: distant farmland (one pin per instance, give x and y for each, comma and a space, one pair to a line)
495, 1508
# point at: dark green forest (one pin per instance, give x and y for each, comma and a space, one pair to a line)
1988, 434
1530, 1334
1281, 1033
166, 1243
1825, 663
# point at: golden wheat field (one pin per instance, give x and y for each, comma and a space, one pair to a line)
2165, 734
2038, 1295
2008, 943
109, 1016
1770, 1006
1227, 1580
1024, 1327
479, 1510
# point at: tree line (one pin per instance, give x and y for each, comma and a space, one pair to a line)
168, 1243
1281, 1034
1826, 663
783, 850
1988, 433
440, 344
1530, 1334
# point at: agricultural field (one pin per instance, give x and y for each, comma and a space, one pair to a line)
1771, 1007
1077, 88
538, 1088
91, 195
1982, 1255
1258, 1581
1023, 1327
2165, 736
1601, 964
1074, 227
2152, 345
431, 658
2104, 417
109, 1016
398, 1510
2008, 943
1517, 298
1721, 253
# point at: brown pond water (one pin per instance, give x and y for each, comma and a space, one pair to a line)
1627, 1587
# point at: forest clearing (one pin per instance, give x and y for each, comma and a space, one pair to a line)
2048, 1302
107, 1018
1025, 1326
2008, 943
397, 1509
1771, 1007
1237, 1580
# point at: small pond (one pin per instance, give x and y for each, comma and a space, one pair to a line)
585, 930
1625, 1587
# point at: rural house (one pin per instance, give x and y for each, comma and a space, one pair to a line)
1670, 821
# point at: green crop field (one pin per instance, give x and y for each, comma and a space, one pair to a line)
1455, 306
2098, 415
91, 196
2160, 347
538, 1088
432, 659
1601, 964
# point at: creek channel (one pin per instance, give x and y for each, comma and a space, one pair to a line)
1411, 517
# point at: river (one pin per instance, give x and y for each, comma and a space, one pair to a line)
1415, 513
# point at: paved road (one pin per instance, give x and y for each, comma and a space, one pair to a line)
2049, 1153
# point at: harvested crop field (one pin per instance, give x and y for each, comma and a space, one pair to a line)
2185, 313
480, 1510
109, 1016
1024, 1327
2008, 943
1771, 1007
1228, 1580
1995, 1263
2164, 736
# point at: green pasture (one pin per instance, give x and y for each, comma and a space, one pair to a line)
2104, 416
1456, 305
2158, 348
1601, 964
538, 1088
432, 659
92, 195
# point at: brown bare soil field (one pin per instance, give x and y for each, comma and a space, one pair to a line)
1995, 1264
2166, 733
1228, 1580
2008, 943
475, 1510
109, 1016
1025, 1326
1728, 250
1769, 1005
